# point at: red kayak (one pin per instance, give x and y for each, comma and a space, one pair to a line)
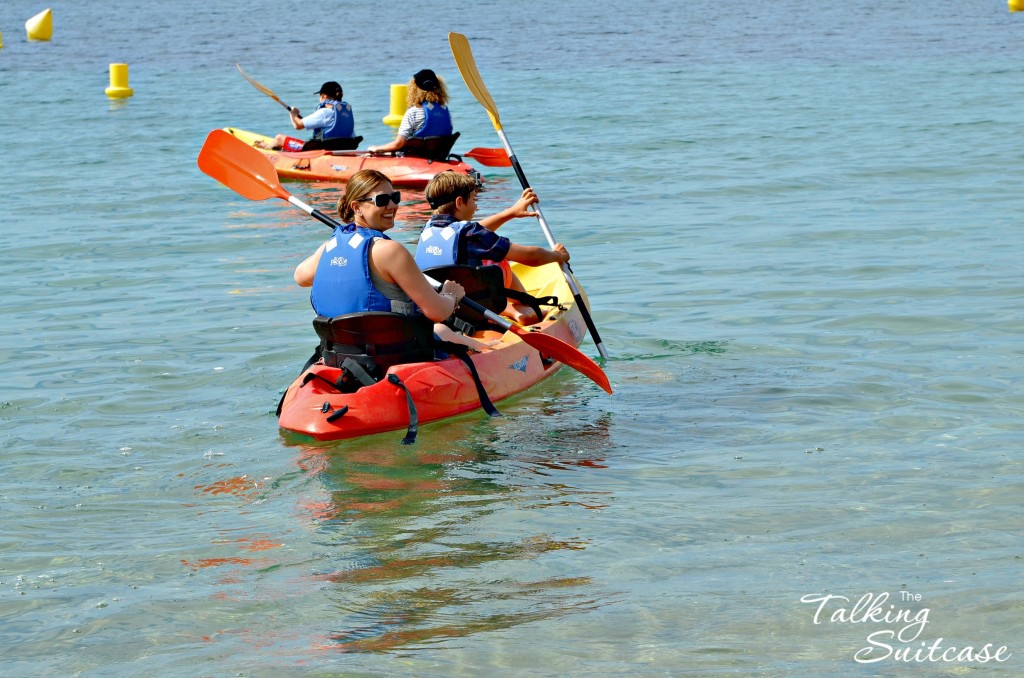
404, 171
313, 406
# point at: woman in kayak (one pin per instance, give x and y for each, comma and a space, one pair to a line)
427, 113
332, 123
453, 197
361, 269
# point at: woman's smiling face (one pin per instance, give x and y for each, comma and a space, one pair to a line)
369, 215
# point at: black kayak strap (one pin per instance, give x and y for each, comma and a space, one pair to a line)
533, 302
317, 353
357, 371
414, 423
462, 353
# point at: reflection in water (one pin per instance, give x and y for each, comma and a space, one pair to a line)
427, 544
480, 526
242, 487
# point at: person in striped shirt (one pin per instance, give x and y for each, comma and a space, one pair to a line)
427, 113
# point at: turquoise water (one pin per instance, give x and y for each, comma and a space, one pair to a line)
799, 228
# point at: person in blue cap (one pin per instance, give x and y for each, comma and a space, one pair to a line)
332, 123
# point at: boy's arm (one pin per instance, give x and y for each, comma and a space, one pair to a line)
520, 209
537, 256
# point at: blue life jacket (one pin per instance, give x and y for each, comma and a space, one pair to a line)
437, 122
342, 281
439, 243
344, 123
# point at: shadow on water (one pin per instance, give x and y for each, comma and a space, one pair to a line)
430, 543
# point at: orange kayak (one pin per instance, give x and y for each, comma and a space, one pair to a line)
440, 388
404, 171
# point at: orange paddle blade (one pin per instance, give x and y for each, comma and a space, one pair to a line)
567, 354
492, 157
240, 167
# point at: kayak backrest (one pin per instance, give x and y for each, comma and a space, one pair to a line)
332, 144
483, 284
432, 148
376, 340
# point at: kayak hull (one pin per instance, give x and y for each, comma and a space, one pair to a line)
338, 166
439, 389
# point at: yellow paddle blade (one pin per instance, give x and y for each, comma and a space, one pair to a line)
265, 90
467, 67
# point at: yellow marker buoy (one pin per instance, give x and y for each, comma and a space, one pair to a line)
40, 27
119, 88
1016, 5
398, 96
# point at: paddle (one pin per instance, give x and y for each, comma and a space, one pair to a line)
249, 173
491, 157
467, 67
262, 88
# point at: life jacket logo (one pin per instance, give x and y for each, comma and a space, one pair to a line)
433, 249
520, 365
339, 261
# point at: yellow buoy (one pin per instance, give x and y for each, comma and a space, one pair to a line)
40, 27
398, 95
1016, 5
119, 88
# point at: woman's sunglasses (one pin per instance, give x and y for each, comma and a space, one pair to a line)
382, 199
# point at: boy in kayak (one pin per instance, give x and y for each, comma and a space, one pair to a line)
332, 124
451, 238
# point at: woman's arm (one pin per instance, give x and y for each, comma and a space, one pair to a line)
305, 271
412, 120
395, 145
393, 263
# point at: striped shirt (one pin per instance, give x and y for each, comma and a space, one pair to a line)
412, 121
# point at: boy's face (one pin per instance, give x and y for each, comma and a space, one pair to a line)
466, 208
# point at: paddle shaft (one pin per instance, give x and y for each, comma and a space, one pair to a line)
262, 88
463, 54
485, 156
313, 212
566, 270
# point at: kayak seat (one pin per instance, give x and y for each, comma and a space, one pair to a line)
483, 284
374, 341
365, 345
335, 144
432, 148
